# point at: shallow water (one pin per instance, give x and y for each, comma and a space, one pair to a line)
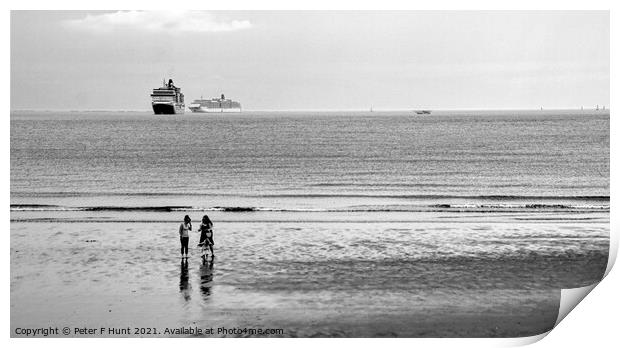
282, 272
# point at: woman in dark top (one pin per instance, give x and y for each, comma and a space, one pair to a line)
206, 236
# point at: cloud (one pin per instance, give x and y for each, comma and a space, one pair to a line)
157, 21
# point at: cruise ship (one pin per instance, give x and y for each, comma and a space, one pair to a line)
215, 105
168, 99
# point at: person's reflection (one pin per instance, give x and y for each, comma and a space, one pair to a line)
206, 276
184, 286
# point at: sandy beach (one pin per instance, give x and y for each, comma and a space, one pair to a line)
324, 279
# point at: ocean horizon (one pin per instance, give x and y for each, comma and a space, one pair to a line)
356, 110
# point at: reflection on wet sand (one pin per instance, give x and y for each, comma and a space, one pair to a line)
184, 286
206, 276
313, 279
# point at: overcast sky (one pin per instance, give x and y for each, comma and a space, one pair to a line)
312, 60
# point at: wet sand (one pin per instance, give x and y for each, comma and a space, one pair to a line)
330, 279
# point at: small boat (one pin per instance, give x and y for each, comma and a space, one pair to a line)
423, 112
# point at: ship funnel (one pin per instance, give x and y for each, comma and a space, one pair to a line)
223, 97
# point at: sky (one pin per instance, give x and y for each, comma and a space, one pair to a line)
282, 60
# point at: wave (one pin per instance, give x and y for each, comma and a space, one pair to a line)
318, 195
504, 207
440, 196
171, 208
522, 206
46, 207
40, 207
453, 185
166, 208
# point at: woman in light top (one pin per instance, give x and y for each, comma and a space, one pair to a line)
184, 229
206, 236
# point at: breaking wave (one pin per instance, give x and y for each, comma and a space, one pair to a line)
604, 198
485, 207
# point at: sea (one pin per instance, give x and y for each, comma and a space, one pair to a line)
326, 224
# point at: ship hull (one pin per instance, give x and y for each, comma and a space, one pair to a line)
214, 110
167, 109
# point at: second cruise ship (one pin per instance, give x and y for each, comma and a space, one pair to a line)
215, 105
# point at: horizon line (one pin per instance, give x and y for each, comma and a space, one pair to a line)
605, 108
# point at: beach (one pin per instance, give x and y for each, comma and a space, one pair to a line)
325, 225
339, 278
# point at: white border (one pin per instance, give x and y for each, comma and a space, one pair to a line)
592, 322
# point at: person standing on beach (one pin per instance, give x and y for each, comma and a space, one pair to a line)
184, 229
206, 236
